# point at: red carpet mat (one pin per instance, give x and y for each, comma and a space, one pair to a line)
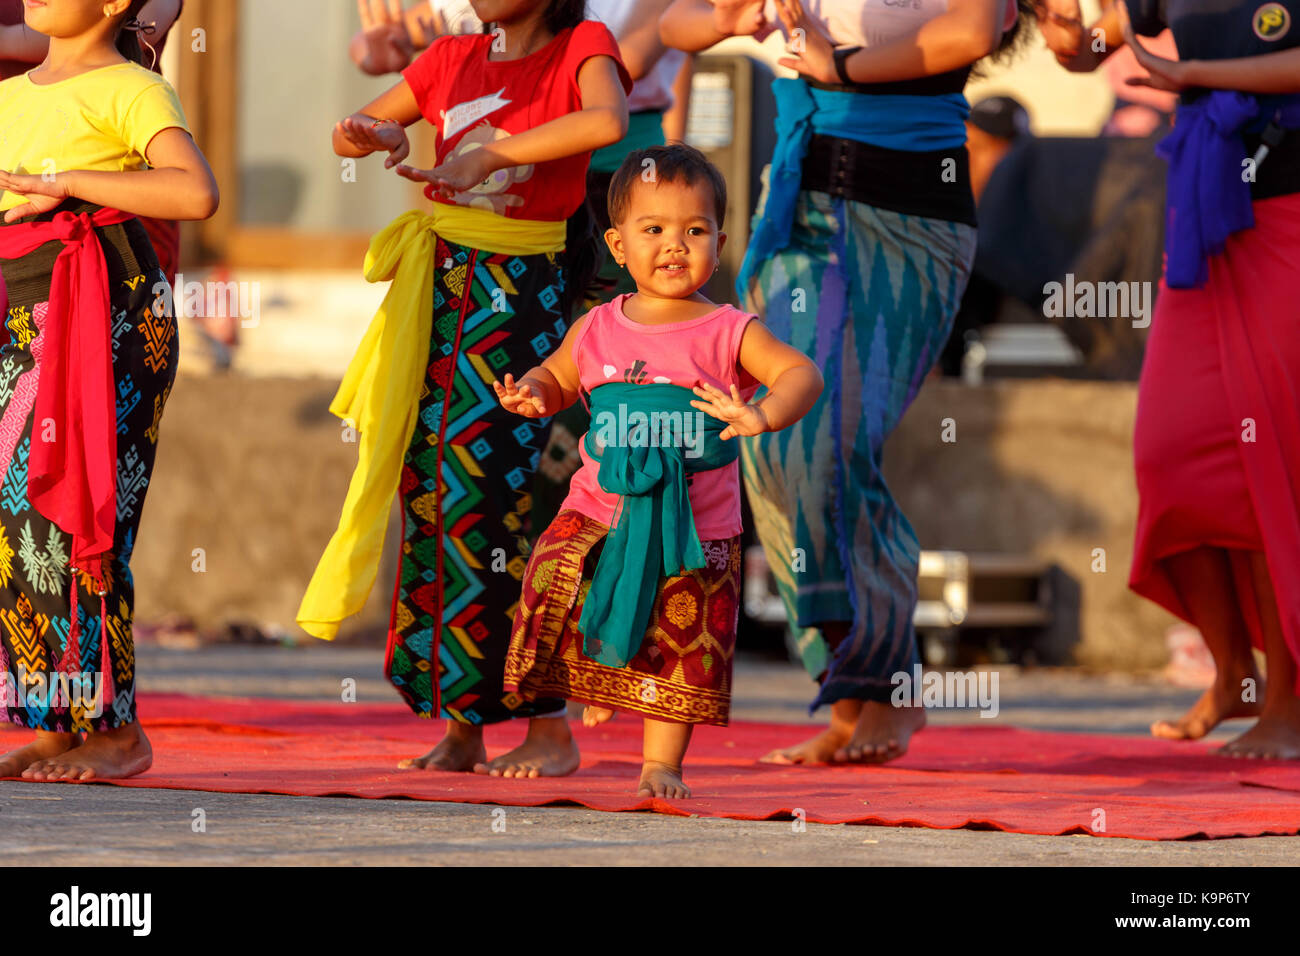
991, 778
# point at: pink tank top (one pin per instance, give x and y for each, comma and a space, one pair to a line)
613, 348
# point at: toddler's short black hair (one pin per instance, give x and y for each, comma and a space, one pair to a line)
675, 162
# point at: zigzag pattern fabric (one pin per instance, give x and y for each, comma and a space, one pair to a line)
35, 576
467, 486
870, 296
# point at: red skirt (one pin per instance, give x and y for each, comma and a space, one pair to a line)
682, 671
1217, 438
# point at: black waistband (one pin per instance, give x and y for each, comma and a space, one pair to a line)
954, 81
127, 249
934, 184
1279, 173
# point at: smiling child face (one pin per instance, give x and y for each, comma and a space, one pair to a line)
669, 239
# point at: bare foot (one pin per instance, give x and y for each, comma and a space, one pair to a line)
45, 746
881, 734
103, 755
593, 716
548, 751
460, 749
1276, 736
844, 716
661, 780
1220, 702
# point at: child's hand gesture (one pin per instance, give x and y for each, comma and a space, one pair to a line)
457, 175
741, 419
370, 136
519, 399
41, 194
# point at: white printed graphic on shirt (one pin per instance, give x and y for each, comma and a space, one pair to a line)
464, 115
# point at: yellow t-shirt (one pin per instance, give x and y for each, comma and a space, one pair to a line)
101, 120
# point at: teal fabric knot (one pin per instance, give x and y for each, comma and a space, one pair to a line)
647, 439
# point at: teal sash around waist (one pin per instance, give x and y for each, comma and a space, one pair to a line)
647, 438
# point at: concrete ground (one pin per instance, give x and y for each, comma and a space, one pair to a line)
52, 824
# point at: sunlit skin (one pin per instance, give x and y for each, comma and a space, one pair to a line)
670, 242
178, 185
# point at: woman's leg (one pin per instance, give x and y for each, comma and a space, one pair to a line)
870, 295
1203, 579
466, 502
145, 355
1277, 734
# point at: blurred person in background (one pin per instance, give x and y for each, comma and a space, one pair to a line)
1107, 227
1217, 437
859, 256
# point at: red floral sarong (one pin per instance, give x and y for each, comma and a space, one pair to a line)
682, 671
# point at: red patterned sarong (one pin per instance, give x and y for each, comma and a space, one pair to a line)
682, 671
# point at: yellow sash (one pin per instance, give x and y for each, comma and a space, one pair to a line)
380, 393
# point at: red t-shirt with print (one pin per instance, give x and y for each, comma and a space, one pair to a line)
472, 101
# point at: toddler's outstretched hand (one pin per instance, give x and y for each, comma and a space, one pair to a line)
519, 399
741, 419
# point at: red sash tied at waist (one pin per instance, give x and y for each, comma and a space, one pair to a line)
72, 477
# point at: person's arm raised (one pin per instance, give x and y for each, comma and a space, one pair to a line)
695, 25
639, 42
179, 184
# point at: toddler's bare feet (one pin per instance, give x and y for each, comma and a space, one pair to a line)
459, 750
103, 755
822, 748
882, 733
1218, 703
45, 746
593, 716
661, 780
548, 751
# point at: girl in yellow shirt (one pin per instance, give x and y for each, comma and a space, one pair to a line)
89, 140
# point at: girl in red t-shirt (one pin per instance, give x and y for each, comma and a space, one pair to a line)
518, 111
